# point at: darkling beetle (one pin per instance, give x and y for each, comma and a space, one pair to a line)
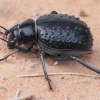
62, 36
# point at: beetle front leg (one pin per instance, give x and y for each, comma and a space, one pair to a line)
9, 54
17, 50
44, 69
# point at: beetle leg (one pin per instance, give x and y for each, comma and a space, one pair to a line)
17, 50
24, 50
5, 57
44, 69
61, 58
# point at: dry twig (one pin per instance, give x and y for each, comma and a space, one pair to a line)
69, 73
17, 93
65, 97
55, 63
28, 97
2, 87
83, 13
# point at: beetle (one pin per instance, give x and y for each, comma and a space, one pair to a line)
60, 35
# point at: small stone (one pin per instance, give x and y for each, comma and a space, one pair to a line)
37, 14
56, 63
2, 87
62, 77
34, 64
83, 13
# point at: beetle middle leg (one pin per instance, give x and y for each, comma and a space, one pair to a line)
62, 58
43, 64
44, 69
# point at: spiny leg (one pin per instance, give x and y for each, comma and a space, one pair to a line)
61, 58
44, 69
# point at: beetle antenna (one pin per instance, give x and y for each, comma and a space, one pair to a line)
44, 69
9, 54
3, 28
3, 39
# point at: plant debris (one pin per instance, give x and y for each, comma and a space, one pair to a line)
83, 13
2, 87
51, 74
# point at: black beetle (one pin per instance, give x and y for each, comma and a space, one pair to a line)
59, 35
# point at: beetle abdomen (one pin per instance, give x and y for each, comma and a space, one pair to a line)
63, 32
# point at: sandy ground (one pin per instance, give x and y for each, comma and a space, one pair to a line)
75, 87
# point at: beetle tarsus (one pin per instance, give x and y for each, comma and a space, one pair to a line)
62, 58
44, 69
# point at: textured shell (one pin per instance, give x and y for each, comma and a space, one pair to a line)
63, 32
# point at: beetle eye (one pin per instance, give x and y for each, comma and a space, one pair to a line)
12, 42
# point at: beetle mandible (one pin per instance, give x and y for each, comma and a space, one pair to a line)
60, 35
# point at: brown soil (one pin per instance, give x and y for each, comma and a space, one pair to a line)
75, 87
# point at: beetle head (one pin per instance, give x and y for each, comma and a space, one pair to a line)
14, 38
23, 33
19, 34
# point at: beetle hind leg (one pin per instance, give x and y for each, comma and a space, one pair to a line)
61, 58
